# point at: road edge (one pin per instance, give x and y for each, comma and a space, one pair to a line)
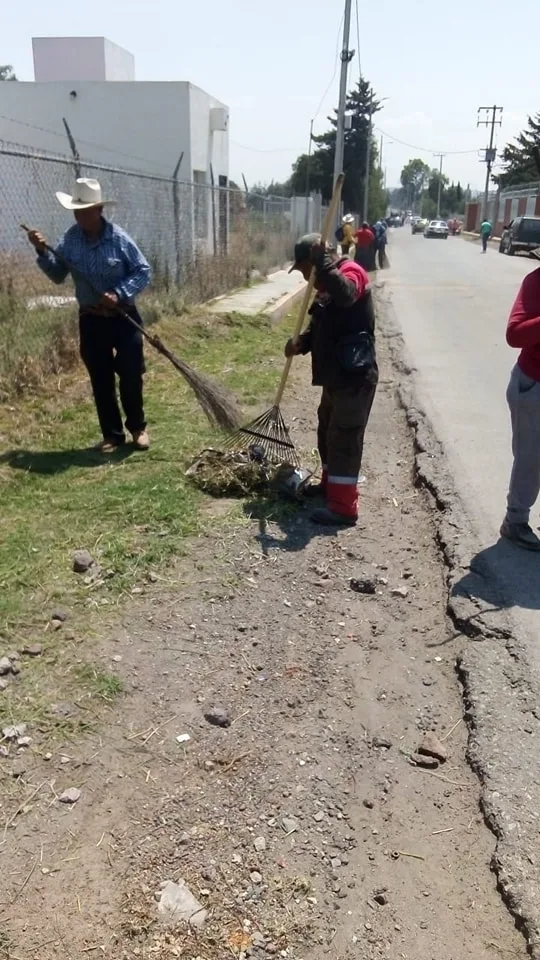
492, 671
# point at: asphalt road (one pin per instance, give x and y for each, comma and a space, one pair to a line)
452, 304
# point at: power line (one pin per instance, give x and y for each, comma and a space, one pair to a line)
414, 146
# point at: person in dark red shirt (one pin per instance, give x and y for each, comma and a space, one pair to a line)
341, 340
523, 397
365, 247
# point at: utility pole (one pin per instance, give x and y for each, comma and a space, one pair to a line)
441, 157
489, 121
308, 173
368, 158
346, 57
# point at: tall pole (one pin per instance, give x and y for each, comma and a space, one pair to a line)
346, 57
441, 156
308, 174
368, 157
495, 120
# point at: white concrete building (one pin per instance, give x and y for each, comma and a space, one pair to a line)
115, 120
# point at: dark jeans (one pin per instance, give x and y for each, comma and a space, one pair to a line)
343, 416
381, 250
110, 346
485, 239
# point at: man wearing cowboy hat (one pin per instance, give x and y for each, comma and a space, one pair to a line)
108, 270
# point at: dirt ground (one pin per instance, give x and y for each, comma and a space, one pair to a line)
303, 827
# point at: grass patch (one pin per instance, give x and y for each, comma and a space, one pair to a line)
132, 511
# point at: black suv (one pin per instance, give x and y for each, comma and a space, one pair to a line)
522, 234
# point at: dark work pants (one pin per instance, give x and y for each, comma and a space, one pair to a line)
112, 346
485, 239
381, 250
343, 417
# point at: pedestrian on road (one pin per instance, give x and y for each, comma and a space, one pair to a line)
341, 340
365, 247
523, 397
485, 233
381, 239
348, 247
110, 262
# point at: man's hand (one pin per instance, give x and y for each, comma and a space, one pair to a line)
37, 240
292, 348
109, 300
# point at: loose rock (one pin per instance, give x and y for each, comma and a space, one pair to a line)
289, 824
431, 746
177, 902
70, 796
82, 561
381, 743
420, 760
3, 684
366, 585
32, 650
5, 666
14, 732
256, 877
368, 804
218, 717
260, 844
400, 592
59, 615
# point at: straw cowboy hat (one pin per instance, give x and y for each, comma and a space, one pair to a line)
348, 218
86, 193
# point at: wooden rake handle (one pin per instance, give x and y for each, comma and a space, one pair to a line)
325, 233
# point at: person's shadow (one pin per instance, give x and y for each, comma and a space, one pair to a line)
293, 519
504, 576
59, 461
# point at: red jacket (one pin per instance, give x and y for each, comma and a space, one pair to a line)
523, 329
364, 237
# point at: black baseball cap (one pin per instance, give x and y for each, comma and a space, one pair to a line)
302, 249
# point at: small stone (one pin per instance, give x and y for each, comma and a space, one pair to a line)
18, 768
70, 796
381, 743
260, 844
369, 804
289, 824
428, 763
218, 717
82, 561
184, 839
335, 863
60, 615
365, 585
431, 746
14, 732
15, 667
4, 751
381, 897
56, 624
3, 684
256, 877
319, 816
176, 902
24, 741
400, 592
209, 874
33, 649
5, 666
271, 948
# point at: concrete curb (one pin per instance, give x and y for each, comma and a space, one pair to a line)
278, 310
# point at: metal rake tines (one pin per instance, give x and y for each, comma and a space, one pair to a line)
268, 433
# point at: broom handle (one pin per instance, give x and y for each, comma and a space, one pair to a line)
327, 226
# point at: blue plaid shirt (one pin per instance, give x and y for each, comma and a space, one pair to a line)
112, 263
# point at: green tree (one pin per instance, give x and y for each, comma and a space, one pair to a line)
361, 106
520, 159
414, 178
7, 72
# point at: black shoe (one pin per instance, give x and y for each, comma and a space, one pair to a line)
330, 519
314, 490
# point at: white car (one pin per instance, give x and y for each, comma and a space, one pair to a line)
437, 229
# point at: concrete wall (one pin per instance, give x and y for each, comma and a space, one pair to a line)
77, 59
143, 126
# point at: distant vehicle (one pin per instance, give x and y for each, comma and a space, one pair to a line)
436, 229
521, 235
418, 225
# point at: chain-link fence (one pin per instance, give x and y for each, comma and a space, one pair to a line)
202, 240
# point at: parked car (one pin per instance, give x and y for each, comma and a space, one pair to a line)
418, 225
521, 234
436, 229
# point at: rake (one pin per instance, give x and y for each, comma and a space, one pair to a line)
269, 434
219, 409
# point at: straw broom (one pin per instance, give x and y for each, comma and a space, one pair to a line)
219, 409
269, 432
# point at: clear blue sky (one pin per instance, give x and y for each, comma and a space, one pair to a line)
272, 64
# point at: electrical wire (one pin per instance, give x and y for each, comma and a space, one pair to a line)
414, 146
